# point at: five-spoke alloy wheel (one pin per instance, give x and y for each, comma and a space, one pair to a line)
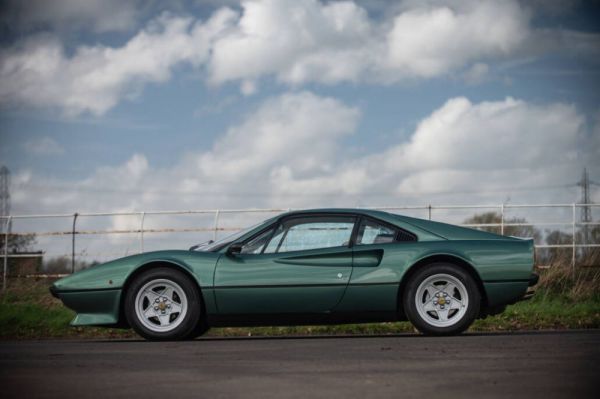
441, 299
164, 304
161, 305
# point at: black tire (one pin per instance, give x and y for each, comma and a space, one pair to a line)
425, 324
191, 324
201, 328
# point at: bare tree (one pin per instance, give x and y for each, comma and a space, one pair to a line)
496, 218
18, 243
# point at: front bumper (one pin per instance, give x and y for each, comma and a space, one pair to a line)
93, 307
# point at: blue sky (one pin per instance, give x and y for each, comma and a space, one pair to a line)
199, 104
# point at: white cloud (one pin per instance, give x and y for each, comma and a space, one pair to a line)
307, 41
301, 131
486, 148
295, 41
43, 146
470, 136
289, 153
94, 79
462, 152
432, 41
283, 131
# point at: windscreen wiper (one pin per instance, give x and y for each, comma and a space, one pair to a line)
204, 244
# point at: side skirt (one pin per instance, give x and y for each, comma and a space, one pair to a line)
293, 319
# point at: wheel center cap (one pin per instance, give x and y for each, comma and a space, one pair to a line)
441, 301
162, 306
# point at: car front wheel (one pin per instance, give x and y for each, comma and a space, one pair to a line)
441, 299
163, 304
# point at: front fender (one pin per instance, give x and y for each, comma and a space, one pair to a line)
177, 263
96, 293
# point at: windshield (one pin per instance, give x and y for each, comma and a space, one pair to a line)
211, 245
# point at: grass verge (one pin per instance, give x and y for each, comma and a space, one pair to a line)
564, 300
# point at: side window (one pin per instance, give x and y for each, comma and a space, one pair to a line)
371, 232
256, 245
311, 233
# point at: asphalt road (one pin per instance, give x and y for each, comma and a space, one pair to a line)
526, 365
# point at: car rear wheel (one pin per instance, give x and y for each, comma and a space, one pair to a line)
164, 304
441, 299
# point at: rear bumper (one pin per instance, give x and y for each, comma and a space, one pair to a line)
506, 292
533, 280
528, 295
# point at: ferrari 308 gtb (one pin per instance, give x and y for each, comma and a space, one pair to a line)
309, 267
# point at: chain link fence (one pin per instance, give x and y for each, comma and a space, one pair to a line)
81, 238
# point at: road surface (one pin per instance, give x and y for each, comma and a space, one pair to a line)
512, 365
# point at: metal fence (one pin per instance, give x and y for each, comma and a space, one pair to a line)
427, 211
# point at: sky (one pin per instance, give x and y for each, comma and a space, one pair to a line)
119, 105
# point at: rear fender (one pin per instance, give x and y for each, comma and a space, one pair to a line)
446, 257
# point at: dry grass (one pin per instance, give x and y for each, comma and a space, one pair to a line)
573, 285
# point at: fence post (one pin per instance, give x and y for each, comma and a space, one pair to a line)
73, 243
502, 219
216, 227
429, 207
5, 270
574, 234
142, 232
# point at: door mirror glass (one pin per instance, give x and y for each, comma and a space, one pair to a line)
234, 249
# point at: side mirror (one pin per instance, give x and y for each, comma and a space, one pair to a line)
234, 249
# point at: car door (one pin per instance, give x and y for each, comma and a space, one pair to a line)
300, 265
381, 251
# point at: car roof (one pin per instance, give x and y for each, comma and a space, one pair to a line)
391, 218
357, 211
421, 227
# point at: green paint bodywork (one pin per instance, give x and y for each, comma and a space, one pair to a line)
362, 278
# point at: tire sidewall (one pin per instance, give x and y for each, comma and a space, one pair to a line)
192, 318
410, 307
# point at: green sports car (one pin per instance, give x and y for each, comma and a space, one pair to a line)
323, 266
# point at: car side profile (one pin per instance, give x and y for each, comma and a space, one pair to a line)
324, 266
